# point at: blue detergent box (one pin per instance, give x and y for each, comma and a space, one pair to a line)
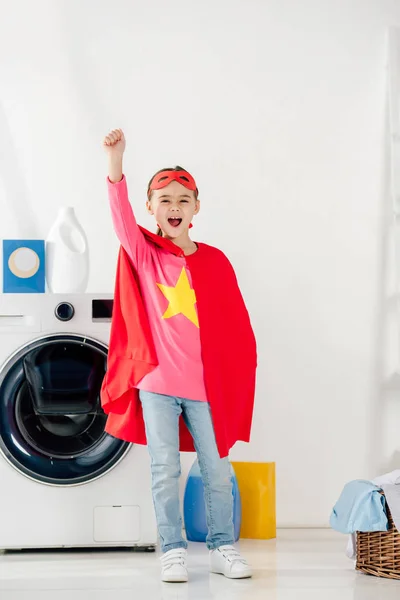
24, 267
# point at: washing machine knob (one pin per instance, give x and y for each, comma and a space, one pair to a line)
64, 311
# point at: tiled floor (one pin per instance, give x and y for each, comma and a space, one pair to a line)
299, 565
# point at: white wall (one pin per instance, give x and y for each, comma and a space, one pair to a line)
278, 108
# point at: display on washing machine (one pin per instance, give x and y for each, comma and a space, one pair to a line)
102, 309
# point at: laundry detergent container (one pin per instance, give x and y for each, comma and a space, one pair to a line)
194, 506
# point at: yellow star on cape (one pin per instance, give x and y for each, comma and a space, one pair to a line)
182, 299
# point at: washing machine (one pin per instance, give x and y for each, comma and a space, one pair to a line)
64, 482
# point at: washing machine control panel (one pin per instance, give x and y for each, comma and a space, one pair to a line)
64, 311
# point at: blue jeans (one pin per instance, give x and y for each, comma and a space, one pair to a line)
161, 417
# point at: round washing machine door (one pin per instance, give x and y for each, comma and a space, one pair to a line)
51, 420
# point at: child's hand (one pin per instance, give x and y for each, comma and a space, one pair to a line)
114, 143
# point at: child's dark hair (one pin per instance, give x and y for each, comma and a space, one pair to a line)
149, 192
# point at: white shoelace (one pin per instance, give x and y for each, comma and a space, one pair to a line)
174, 557
232, 555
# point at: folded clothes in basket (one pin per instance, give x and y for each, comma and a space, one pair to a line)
361, 507
388, 479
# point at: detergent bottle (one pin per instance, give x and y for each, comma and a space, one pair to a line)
67, 255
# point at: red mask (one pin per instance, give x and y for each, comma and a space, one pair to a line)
164, 178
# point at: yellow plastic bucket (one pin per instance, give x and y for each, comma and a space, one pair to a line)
257, 492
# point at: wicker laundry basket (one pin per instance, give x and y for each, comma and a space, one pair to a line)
378, 553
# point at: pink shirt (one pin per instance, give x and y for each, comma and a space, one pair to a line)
170, 301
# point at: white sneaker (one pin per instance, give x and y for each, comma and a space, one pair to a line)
226, 560
174, 566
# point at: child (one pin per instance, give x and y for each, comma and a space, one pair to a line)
182, 359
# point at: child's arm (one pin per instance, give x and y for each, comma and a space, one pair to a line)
124, 220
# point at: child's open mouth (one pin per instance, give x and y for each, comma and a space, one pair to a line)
175, 222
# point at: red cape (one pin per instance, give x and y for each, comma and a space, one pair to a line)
227, 342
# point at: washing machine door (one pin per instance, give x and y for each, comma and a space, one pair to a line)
51, 420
